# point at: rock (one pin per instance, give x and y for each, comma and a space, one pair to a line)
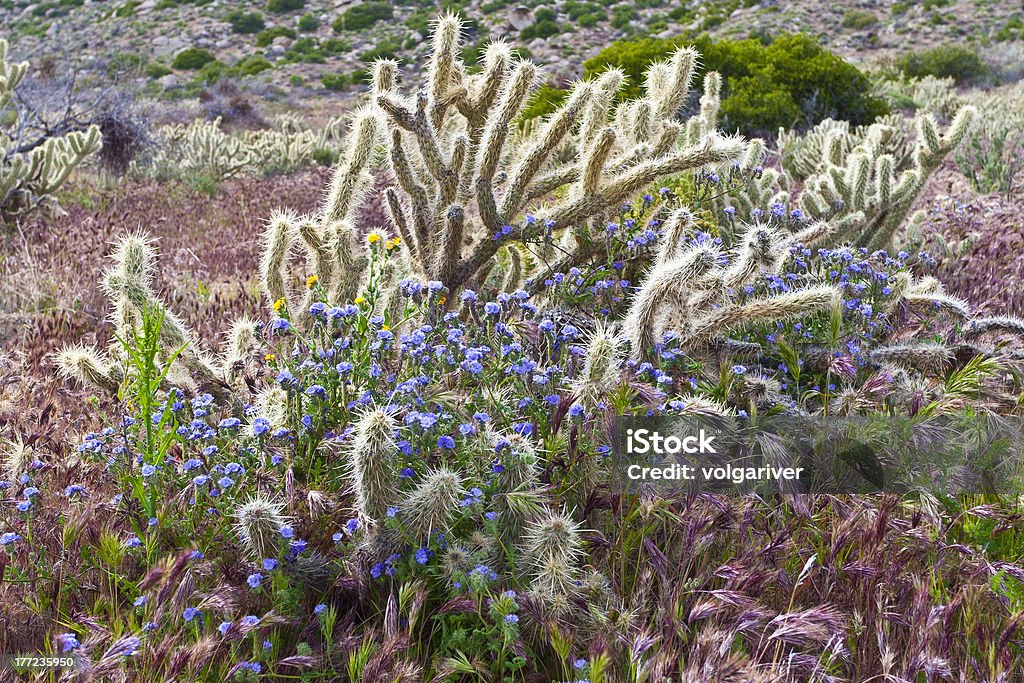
276, 51
521, 17
282, 41
146, 6
169, 81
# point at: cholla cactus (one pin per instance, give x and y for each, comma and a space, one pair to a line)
804, 155
862, 191
204, 148
689, 292
552, 548
430, 507
462, 193
30, 175
258, 524
329, 239
862, 180
371, 463
603, 353
128, 285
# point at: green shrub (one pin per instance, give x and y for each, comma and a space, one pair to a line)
945, 61
266, 37
545, 100
388, 49
335, 46
245, 22
251, 65
542, 29
363, 16
623, 16
545, 14
859, 19
156, 70
192, 59
304, 50
791, 82
127, 9
211, 72
308, 22
285, 6
335, 82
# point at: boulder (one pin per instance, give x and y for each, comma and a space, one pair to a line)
521, 17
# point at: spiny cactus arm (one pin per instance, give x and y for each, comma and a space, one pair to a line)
446, 258
239, 342
594, 162
318, 249
397, 214
758, 251
496, 133
932, 359
770, 309
679, 224
89, 366
669, 91
515, 269
813, 234
981, 326
419, 125
444, 71
417, 193
557, 127
431, 506
352, 259
550, 182
277, 240
68, 153
673, 277
713, 150
348, 176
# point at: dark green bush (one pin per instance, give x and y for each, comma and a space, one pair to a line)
945, 61
335, 82
156, 70
304, 50
623, 16
335, 46
544, 100
859, 19
545, 14
388, 49
211, 72
192, 59
285, 6
308, 22
363, 16
542, 29
245, 22
792, 82
266, 37
251, 65
1013, 29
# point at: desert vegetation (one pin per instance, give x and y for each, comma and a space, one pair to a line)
339, 396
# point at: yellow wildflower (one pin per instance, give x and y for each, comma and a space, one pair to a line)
278, 305
311, 280
360, 300
270, 357
373, 238
440, 302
